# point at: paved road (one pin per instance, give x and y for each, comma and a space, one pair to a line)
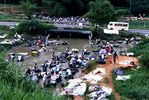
139, 31
57, 25
75, 26
8, 23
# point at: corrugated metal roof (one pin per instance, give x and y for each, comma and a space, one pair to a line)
71, 31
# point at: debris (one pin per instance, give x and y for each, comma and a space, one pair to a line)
99, 92
75, 88
118, 72
99, 70
93, 79
123, 77
130, 54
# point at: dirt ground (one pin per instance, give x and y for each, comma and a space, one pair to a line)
109, 66
11, 10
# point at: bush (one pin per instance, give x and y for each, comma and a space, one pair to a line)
141, 48
9, 93
92, 66
15, 87
33, 27
144, 60
135, 88
4, 28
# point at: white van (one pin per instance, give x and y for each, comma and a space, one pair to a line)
118, 26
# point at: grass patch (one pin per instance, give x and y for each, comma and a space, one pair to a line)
112, 96
106, 80
139, 24
8, 5
136, 87
13, 86
141, 48
12, 17
92, 66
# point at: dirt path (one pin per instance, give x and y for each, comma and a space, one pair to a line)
109, 66
107, 77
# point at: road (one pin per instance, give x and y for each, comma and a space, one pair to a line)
144, 32
8, 23
57, 25
76, 26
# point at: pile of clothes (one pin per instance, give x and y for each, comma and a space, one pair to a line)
97, 92
75, 87
78, 87
120, 75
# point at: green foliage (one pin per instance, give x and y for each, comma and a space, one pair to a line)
112, 96
9, 72
9, 93
64, 7
92, 66
33, 27
101, 12
139, 24
141, 48
136, 87
122, 12
4, 28
140, 7
28, 8
15, 87
144, 60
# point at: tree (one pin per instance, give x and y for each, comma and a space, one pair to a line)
28, 8
122, 13
101, 12
120, 3
64, 7
140, 7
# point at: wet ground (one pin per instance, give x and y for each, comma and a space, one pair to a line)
73, 43
30, 60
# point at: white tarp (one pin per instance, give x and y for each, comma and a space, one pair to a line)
23, 53
101, 93
99, 71
123, 77
93, 79
107, 31
3, 36
80, 89
75, 88
74, 49
126, 62
130, 54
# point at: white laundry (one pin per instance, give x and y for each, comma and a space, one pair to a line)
123, 77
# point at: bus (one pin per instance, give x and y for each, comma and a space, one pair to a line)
118, 26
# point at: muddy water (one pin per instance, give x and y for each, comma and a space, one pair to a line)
30, 60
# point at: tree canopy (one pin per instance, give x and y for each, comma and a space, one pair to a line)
101, 12
64, 7
81, 7
28, 8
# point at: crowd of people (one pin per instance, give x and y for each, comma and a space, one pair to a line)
60, 69
66, 65
64, 20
